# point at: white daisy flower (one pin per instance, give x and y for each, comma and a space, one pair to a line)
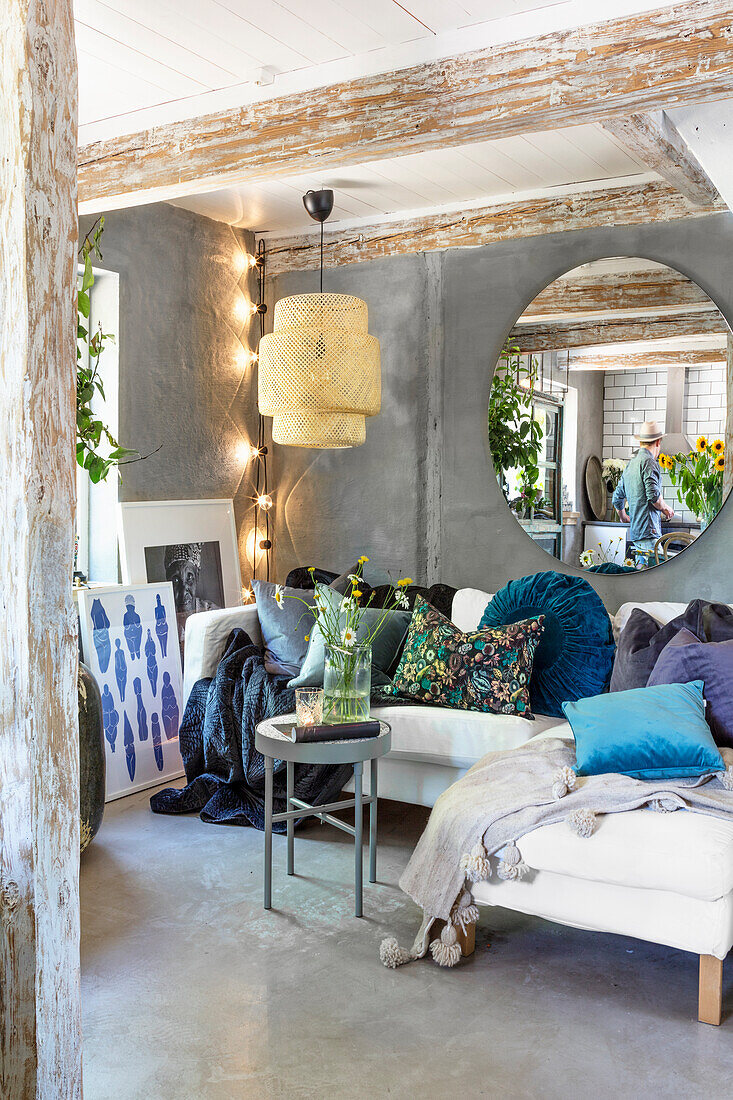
402, 601
348, 638
353, 578
630, 561
587, 558
279, 595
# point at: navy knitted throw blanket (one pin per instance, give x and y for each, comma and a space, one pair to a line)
225, 773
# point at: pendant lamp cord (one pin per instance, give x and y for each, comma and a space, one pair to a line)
262, 517
322, 257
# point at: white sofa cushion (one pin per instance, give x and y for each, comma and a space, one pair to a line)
705, 927
681, 852
458, 738
206, 635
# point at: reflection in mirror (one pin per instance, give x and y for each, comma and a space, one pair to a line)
608, 415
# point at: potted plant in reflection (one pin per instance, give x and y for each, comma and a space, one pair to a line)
515, 436
698, 478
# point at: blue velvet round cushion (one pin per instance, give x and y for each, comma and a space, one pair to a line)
575, 656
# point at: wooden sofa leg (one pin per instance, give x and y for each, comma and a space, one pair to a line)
711, 990
467, 940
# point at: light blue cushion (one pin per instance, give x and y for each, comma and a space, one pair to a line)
385, 646
647, 733
283, 628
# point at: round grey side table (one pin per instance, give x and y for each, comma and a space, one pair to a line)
274, 745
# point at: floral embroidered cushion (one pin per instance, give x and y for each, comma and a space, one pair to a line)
486, 670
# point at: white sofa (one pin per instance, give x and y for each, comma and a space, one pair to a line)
666, 878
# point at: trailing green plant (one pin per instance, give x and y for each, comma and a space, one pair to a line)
515, 437
92, 436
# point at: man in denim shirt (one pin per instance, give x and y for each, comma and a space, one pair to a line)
640, 488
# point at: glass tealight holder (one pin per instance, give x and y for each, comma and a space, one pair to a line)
309, 706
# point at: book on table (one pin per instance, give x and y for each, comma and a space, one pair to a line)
352, 731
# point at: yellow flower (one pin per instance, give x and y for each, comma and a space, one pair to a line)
701, 445
720, 462
718, 447
666, 462
356, 593
405, 582
311, 569
307, 637
363, 559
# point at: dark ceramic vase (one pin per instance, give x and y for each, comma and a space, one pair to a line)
92, 768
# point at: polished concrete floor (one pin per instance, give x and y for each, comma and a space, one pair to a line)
191, 990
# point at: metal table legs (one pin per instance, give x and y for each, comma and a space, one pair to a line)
291, 822
358, 847
268, 832
296, 808
373, 821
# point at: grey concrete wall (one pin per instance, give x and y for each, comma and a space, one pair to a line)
485, 290
181, 336
332, 506
589, 385
442, 320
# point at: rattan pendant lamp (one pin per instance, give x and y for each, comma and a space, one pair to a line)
319, 370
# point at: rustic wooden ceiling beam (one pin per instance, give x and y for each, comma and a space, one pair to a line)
644, 291
634, 204
559, 335
655, 139
635, 64
646, 359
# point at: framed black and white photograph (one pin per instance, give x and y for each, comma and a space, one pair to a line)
128, 635
190, 543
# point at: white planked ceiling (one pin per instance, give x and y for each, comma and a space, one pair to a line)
145, 62
470, 174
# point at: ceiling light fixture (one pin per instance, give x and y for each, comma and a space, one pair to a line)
319, 369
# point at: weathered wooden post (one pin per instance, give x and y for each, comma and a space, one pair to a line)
40, 1034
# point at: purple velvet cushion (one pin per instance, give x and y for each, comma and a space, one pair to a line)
686, 658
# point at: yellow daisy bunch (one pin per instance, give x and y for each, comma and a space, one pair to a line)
666, 462
405, 582
718, 447
702, 444
363, 559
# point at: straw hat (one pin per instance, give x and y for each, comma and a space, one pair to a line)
649, 432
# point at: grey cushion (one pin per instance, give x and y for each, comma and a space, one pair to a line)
643, 639
385, 646
283, 628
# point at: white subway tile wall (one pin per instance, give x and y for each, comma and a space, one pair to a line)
630, 397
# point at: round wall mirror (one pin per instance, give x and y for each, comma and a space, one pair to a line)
608, 414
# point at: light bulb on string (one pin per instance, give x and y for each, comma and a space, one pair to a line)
264, 501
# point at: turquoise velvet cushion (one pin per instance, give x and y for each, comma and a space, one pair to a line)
647, 733
575, 655
385, 646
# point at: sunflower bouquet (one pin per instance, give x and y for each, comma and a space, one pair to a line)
698, 477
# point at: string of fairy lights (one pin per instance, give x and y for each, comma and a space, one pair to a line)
262, 500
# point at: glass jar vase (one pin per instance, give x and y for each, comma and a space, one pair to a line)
347, 681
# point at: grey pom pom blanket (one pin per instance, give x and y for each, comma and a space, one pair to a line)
508, 794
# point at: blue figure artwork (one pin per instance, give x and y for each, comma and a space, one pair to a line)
169, 707
110, 717
132, 627
120, 669
142, 717
151, 663
157, 747
161, 626
100, 634
129, 748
